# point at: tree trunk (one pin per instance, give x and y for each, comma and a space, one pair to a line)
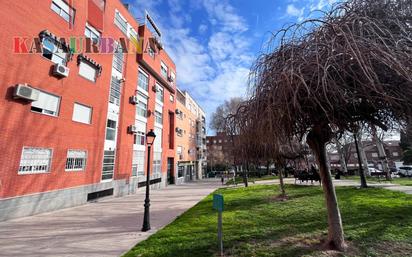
341, 157
361, 169
381, 154
282, 185
244, 174
317, 139
268, 168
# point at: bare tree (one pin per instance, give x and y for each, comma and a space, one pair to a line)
219, 117
353, 65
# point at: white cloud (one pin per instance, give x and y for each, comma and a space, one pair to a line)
292, 10
212, 66
223, 15
202, 28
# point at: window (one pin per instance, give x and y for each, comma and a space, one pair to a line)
171, 98
151, 52
157, 163
163, 70
118, 59
111, 130
141, 109
139, 138
179, 150
158, 117
133, 35
374, 154
82, 113
138, 163
87, 71
159, 93
120, 22
54, 51
173, 76
108, 165
143, 81
395, 154
35, 160
115, 89
180, 171
46, 104
92, 33
63, 9
76, 160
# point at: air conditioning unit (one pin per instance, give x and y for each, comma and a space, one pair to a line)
61, 70
24, 91
170, 78
132, 129
133, 99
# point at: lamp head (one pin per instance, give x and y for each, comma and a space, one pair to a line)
150, 137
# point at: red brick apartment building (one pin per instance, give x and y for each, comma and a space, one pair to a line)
74, 124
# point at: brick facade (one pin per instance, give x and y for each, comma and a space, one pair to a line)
25, 128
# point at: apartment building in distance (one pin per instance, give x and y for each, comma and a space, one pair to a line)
74, 120
190, 138
219, 150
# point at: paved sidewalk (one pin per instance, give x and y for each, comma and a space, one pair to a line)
109, 227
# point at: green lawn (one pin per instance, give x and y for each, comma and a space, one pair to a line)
399, 181
377, 222
239, 180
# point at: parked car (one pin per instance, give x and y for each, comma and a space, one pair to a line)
375, 172
405, 171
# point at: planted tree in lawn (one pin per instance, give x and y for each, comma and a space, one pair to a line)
353, 65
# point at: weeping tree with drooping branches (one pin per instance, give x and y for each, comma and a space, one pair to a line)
352, 65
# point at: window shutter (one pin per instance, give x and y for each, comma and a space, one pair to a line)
47, 102
87, 71
82, 113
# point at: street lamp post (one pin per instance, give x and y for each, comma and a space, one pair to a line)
150, 137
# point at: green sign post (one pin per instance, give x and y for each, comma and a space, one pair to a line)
218, 205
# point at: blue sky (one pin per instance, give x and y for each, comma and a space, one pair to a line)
214, 42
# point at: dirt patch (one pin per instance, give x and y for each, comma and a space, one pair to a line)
301, 245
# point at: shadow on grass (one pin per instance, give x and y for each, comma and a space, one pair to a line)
254, 226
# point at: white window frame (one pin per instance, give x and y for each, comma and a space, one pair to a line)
33, 162
117, 22
76, 119
71, 165
139, 88
114, 130
138, 163
58, 55
115, 91
163, 69
44, 110
92, 33
159, 92
63, 9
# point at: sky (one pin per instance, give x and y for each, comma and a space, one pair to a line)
215, 42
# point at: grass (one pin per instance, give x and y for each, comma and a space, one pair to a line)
377, 222
239, 180
398, 181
